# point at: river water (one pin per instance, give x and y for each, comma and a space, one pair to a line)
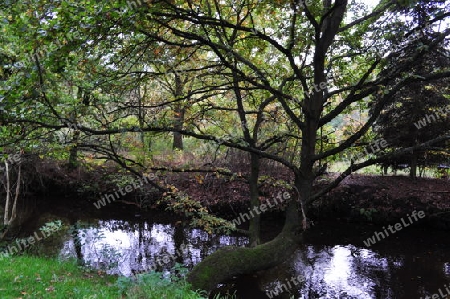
332, 263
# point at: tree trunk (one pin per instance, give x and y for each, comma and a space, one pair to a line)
73, 152
413, 170
303, 188
228, 262
16, 196
11, 214
179, 121
179, 111
231, 261
8, 195
255, 222
141, 115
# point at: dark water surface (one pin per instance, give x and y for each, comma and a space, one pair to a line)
332, 263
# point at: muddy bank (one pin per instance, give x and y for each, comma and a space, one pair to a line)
359, 198
379, 199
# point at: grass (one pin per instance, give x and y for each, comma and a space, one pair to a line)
341, 166
37, 277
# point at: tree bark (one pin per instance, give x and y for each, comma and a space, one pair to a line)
73, 152
179, 121
16, 196
231, 261
179, 112
8, 195
255, 222
11, 214
413, 170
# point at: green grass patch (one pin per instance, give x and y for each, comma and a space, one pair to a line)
38, 277
35, 277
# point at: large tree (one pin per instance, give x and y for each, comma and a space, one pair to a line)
317, 49
312, 63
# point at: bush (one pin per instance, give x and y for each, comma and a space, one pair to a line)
154, 285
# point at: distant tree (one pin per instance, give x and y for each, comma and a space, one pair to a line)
420, 111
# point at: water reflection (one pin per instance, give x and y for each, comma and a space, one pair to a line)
346, 271
338, 272
125, 248
417, 265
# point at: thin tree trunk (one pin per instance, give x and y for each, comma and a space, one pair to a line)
413, 170
73, 153
10, 215
179, 112
8, 195
255, 222
16, 196
141, 117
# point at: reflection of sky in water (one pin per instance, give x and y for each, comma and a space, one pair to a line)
447, 269
122, 248
339, 272
340, 277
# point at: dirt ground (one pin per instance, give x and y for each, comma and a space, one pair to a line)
359, 198
385, 198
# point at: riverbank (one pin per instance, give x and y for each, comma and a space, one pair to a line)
37, 277
359, 198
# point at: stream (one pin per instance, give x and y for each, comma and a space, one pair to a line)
332, 263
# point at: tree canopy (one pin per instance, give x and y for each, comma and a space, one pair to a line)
289, 81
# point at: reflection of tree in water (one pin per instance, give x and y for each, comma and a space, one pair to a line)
390, 270
77, 241
144, 246
179, 240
